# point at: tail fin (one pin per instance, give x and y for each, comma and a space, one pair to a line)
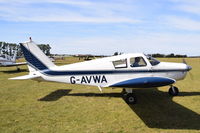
35, 57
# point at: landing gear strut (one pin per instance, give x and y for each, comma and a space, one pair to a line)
128, 96
173, 91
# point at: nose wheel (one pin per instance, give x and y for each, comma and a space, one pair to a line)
173, 91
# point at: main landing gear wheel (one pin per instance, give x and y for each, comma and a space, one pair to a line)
173, 91
18, 69
130, 98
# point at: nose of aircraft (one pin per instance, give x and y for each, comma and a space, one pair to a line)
189, 68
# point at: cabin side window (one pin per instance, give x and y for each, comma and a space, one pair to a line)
120, 63
137, 62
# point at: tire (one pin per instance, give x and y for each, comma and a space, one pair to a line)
173, 91
130, 98
18, 69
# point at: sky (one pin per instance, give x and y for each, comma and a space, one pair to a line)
103, 27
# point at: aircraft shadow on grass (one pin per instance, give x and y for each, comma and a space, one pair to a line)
14, 71
155, 108
53, 96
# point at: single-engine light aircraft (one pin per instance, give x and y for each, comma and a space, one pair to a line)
126, 71
9, 61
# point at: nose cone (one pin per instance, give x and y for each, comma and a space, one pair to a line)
189, 68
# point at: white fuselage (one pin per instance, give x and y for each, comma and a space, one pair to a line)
127, 70
102, 72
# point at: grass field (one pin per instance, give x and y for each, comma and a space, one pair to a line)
29, 106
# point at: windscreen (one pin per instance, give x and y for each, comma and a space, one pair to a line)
153, 61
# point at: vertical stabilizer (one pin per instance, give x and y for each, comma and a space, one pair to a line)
35, 57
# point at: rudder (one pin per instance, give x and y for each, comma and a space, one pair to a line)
35, 57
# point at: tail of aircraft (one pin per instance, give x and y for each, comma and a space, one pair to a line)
35, 58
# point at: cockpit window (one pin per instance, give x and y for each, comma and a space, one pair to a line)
120, 63
137, 62
153, 61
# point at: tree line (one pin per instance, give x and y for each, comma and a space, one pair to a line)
157, 55
10, 48
172, 55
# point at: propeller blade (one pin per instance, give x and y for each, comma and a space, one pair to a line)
184, 61
189, 68
191, 76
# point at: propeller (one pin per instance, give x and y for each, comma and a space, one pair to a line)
189, 68
184, 61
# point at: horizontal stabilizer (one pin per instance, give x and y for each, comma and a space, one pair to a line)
25, 77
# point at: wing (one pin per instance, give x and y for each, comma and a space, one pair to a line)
144, 82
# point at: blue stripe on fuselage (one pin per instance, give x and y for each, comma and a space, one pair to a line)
60, 73
144, 82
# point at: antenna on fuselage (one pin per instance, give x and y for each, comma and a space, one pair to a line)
30, 39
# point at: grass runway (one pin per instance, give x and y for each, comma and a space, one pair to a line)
29, 106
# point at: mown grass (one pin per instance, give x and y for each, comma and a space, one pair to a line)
29, 106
